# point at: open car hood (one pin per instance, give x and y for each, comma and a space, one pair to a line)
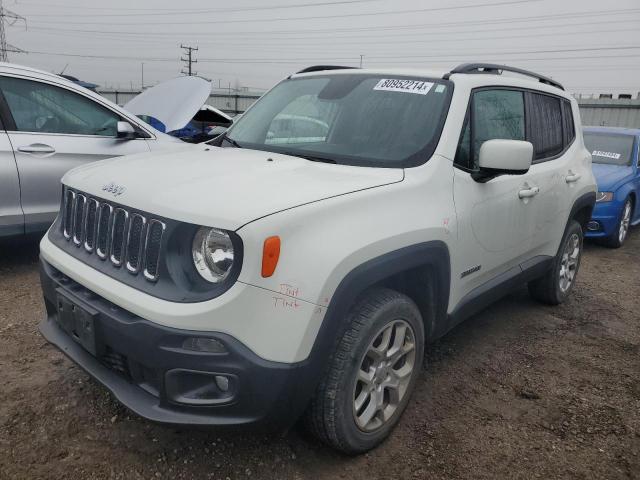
173, 103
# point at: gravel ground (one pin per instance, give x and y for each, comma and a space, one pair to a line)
518, 391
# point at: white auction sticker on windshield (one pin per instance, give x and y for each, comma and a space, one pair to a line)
402, 85
599, 153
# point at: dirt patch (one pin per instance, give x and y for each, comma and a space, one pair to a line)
519, 391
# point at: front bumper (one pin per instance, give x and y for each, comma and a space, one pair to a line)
604, 220
147, 369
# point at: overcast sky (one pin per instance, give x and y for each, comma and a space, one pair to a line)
589, 45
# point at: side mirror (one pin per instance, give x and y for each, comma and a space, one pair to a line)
125, 131
503, 157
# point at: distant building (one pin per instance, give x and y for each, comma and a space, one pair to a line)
606, 111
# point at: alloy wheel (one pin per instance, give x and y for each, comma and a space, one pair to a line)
569, 262
384, 375
624, 222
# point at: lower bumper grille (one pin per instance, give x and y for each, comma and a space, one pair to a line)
116, 361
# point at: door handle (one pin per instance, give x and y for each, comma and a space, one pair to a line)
529, 192
37, 148
572, 177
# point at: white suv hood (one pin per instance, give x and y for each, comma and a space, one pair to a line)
222, 187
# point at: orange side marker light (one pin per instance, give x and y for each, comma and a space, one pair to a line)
270, 256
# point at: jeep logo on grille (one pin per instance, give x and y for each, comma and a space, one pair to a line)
114, 189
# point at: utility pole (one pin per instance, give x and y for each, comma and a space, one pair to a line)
361, 57
7, 17
189, 60
142, 76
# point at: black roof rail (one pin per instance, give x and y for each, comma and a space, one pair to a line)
320, 68
492, 68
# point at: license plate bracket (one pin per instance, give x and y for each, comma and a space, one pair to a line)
79, 321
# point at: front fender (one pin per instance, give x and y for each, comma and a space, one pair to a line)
323, 242
433, 253
624, 190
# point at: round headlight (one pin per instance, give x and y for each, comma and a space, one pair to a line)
212, 254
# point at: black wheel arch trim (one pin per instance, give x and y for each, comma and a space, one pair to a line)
434, 254
587, 200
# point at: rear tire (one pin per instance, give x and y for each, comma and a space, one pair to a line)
616, 240
371, 373
555, 286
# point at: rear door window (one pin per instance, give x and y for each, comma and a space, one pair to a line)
545, 129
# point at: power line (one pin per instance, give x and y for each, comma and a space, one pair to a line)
189, 60
598, 67
169, 11
448, 36
332, 31
513, 52
316, 17
323, 47
387, 58
523, 59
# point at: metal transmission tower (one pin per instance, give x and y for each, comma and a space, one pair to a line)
7, 17
189, 60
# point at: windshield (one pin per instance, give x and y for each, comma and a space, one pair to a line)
351, 119
612, 149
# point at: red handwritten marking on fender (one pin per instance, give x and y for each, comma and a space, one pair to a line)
289, 290
284, 302
291, 300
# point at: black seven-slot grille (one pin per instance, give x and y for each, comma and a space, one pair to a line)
113, 233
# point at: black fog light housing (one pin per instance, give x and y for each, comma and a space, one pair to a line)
190, 387
204, 345
593, 226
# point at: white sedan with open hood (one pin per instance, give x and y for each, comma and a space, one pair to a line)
51, 125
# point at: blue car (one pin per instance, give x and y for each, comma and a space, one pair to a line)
615, 166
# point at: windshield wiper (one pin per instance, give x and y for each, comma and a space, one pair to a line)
232, 141
312, 158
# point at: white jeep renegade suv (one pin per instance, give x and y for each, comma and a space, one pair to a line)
297, 267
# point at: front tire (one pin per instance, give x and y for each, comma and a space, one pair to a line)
617, 238
556, 285
371, 374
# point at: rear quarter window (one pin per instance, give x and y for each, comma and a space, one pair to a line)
569, 128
